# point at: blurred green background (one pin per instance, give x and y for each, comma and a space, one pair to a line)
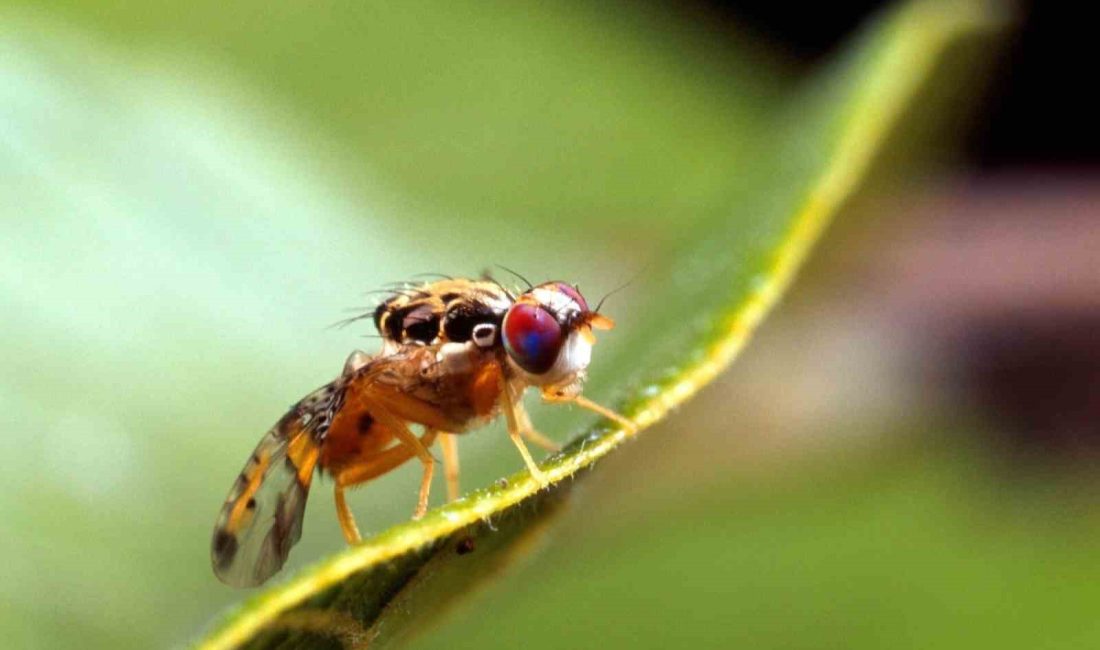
191, 194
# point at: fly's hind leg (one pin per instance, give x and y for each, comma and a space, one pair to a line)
409, 439
370, 468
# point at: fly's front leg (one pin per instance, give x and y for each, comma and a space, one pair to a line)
515, 433
528, 430
584, 402
449, 443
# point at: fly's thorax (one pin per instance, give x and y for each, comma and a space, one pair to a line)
443, 311
355, 362
457, 358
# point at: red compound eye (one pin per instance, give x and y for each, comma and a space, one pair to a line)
532, 337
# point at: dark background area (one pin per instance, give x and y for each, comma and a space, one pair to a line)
1027, 360
1039, 110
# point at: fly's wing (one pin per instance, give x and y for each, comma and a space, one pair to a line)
262, 516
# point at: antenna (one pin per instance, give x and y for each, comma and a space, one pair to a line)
525, 280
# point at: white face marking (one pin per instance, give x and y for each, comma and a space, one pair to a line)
571, 364
484, 334
575, 356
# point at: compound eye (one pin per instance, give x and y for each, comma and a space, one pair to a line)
532, 337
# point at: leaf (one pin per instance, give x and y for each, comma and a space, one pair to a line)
815, 154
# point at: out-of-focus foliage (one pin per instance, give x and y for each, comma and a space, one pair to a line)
913, 546
191, 194
730, 277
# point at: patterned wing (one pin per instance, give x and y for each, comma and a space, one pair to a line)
262, 516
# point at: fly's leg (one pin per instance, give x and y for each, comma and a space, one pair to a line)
515, 433
344, 516
528, 430
369, 468
409, 439
586, 403
449, 443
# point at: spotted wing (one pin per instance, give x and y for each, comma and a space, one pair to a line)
262, 516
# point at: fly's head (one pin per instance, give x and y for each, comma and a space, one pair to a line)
547, 336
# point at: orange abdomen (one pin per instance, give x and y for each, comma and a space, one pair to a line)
353, 434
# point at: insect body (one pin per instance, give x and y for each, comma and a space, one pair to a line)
455, 354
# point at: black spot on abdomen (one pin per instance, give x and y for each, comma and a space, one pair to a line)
366, 421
